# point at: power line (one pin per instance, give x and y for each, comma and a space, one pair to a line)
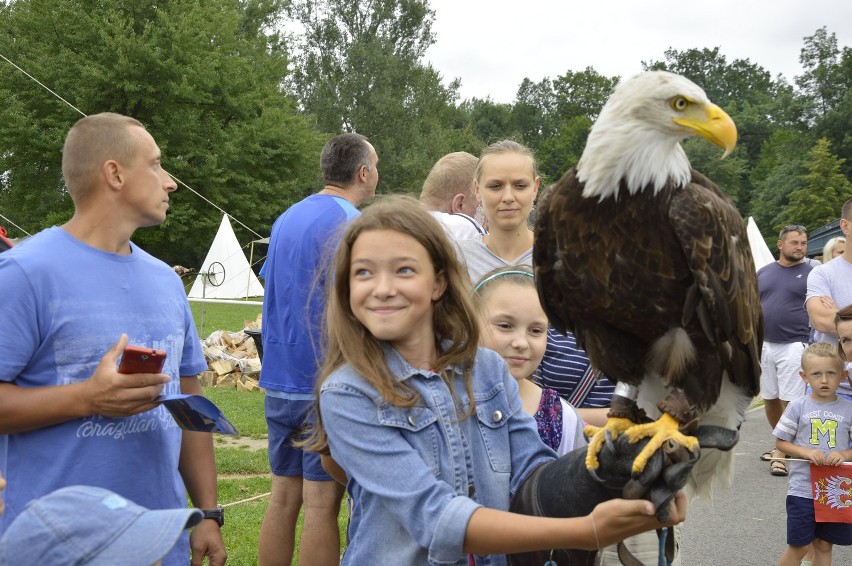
178, 181
15, 225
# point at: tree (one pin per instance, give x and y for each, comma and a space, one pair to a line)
360, 69
727, 173
204, 77
837, 127
534, 112
489, 121
777, 173
559, 153
582, 93
822, 80
825, 191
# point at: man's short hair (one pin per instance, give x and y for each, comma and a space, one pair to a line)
92, 141
341, 158
792, 228
846, 211
451, 175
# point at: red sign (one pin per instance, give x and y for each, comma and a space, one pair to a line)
832, 489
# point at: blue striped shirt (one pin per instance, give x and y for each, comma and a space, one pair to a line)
563, 367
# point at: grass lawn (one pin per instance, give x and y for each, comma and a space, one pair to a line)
244, 473
222, 317
243, 466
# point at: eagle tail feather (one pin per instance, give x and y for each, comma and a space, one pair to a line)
671, 355
717, 466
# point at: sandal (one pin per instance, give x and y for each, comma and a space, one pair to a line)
766, 456
778, 468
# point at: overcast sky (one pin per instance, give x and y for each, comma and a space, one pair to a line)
491, 45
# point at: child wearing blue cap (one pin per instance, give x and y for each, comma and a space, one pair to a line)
80, 525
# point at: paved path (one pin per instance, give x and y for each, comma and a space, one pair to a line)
747, 523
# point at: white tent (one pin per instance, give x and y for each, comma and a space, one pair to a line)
759, 249
225, 273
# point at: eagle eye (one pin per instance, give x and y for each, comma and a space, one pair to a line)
679, 103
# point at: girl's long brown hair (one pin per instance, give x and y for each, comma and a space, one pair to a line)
349, 342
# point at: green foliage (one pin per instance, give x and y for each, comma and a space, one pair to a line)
211, 81
582, 93
726, 173
542, 109
222, 317
825, 191
776, 174
360, 69
489, 121
561, 152
822, 81
243, 520
202, 76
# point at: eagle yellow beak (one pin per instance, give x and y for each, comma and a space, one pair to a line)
711, 123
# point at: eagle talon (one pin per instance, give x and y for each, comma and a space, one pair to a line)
598, 435
660, 431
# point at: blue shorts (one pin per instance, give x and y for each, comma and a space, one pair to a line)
802, 527
286, 418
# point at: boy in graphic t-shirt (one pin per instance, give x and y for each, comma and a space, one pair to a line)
815, 428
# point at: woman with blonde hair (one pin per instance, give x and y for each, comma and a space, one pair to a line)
833, 248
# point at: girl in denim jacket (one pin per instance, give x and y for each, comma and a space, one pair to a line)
427, 426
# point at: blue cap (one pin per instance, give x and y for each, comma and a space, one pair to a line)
89, 525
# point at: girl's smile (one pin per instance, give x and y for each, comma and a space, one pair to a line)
392, 285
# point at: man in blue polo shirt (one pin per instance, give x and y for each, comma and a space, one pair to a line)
301, 245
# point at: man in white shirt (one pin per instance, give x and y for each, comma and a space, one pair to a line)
448, 195
830, 289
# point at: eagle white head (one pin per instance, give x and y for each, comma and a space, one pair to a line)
636, 138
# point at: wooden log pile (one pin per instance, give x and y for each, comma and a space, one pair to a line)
232, 359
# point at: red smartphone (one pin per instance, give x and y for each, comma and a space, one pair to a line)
137, 359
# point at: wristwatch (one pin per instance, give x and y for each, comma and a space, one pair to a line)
217, 514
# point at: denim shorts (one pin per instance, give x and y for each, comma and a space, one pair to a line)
802, 527
285, 418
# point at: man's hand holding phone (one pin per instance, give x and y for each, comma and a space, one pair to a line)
114, 394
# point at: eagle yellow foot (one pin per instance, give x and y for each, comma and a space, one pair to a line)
597, 436
664, 428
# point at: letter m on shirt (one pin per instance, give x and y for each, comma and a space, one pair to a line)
823, 428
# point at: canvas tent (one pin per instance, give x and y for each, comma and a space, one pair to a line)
759, 249
225, 273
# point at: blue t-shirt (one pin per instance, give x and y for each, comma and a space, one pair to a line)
301, 245
782, 298
66, 305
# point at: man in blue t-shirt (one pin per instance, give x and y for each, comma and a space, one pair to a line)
783, 285
78, 294
300, 248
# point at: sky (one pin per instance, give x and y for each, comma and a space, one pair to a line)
492, 45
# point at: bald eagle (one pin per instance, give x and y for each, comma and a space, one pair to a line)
647, 262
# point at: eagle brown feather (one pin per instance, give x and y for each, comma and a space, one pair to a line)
622, 273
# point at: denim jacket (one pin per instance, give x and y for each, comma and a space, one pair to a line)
416, 475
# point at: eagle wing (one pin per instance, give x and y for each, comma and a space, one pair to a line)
724, 297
